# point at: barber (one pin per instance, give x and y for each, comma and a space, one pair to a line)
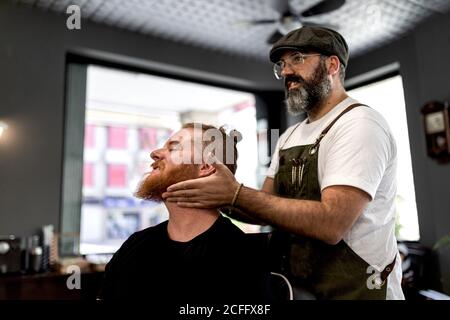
331, 184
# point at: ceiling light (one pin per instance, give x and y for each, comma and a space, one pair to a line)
3, 127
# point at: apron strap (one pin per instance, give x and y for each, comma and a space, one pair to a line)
387, 270
325, 131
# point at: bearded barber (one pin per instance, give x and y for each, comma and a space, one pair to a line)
331, 184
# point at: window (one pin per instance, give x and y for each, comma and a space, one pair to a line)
117, 175
117, 137
88, 175
89, 136
386, 97
122, 225
148, 138
127, 116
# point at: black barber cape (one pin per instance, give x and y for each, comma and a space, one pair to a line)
218, 265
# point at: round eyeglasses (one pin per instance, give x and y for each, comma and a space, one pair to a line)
293, 60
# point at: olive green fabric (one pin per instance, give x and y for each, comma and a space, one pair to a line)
327, 271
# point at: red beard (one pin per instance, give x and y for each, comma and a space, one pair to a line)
154, 184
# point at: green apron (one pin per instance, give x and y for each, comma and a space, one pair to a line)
326, 271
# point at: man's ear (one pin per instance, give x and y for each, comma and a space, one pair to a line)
206, 170
334, 65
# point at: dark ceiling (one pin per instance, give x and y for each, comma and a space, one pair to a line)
221, 25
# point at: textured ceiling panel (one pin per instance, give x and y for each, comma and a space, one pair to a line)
218, 24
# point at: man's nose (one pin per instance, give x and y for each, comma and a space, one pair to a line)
156, 154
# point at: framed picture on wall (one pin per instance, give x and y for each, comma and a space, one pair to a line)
437, 130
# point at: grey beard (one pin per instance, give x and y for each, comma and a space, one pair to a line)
297, 101
310, 94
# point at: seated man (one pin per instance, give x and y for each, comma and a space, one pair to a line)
197, 255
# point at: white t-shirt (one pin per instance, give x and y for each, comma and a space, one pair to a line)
359, 151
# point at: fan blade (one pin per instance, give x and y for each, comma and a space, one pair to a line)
324, 6
274, 37
249, 23
262, 21
315, 24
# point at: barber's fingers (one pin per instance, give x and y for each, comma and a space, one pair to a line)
190, 202
184, 185
180, 199
182, 193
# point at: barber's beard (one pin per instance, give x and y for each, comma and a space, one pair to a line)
154, 185
310, 94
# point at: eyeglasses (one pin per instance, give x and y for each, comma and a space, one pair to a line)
293, 60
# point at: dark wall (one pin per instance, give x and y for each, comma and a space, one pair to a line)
424, 62
270, 106
33, 48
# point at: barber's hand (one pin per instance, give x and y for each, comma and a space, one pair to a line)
214, 191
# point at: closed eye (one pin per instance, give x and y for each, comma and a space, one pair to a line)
174, 146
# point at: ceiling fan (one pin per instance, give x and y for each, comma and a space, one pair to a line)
290, 20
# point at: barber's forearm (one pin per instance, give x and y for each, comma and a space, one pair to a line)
309, 218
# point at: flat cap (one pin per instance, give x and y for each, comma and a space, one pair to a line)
308, 38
